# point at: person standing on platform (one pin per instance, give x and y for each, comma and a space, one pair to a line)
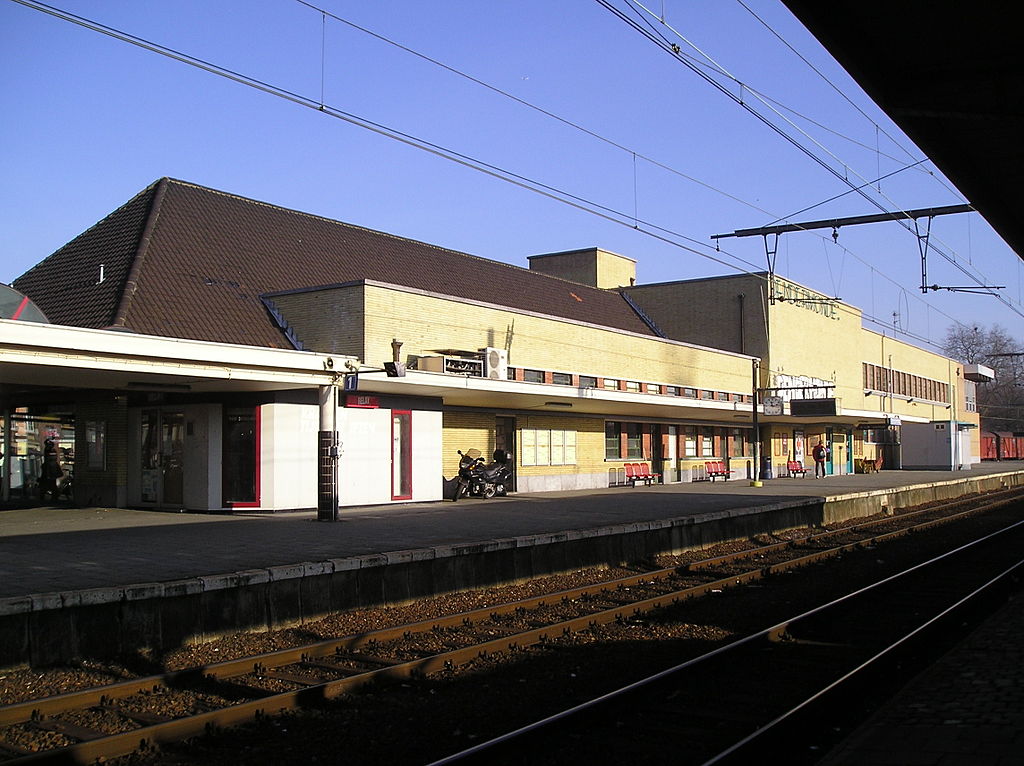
819, 453
51, 473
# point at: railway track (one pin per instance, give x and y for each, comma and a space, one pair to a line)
789, 692
101, 723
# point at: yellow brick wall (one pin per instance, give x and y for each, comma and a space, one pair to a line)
465, 431
592, 266
328, 320
709, 312
884, 351
818, 340
426, 323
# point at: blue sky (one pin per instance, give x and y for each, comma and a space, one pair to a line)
88, 121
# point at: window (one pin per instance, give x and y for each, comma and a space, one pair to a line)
707, 394
96, 445
632, 385
672, 390
689, 441
736, 442
401, 455
542, 446
611, 383
653, 388
722, 396
533, 376
707, 442
612, 440
690, 392
634, 441
561, 378
587, 382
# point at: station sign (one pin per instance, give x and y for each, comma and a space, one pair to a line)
807, 408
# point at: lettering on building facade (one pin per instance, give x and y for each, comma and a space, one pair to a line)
804, 298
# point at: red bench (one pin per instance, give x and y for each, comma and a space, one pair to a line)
795, 468
640, 472
717, 470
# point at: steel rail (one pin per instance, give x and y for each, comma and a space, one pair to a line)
24, 711
999, 581
186, 727
774, 633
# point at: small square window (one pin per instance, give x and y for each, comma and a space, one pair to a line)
632, 385
561, 378
690, 392
587, 382
707, 394
533, 376
672, 390
611, 383
722, 396
653, 388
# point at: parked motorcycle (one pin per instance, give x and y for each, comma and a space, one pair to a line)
477, 479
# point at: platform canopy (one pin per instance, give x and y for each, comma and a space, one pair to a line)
950, 76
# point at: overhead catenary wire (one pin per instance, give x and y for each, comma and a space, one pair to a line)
647, 30
649, 229
632, 152
581, 203
878, 128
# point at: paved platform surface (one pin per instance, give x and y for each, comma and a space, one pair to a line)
50, 549
966, 710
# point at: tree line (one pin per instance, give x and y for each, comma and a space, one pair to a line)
1001, 402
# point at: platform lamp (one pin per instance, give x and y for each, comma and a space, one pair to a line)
755, 480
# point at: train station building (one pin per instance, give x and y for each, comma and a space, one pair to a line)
200, 345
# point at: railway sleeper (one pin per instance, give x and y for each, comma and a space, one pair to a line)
139, 716
74, 731
295, 678
8, 750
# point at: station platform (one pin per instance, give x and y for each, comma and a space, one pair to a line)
56, 549
82, 581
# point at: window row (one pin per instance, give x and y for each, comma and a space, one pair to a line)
615, 384
646, 441
888, 381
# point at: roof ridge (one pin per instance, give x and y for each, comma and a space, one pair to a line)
131, 281
377, 232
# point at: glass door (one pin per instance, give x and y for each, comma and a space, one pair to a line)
162, 457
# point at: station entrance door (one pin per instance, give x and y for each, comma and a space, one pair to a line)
162, 454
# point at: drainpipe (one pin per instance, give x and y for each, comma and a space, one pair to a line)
743, 333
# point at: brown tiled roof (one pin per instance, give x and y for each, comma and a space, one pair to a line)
67, 285
185, 261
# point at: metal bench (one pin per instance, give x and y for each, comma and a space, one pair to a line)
717, 470
795, 468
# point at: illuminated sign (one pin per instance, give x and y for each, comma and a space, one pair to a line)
362, 400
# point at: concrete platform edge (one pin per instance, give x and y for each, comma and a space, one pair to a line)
48, 628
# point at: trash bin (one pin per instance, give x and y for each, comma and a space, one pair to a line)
766, 468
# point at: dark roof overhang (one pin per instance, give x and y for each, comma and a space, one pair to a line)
949, 75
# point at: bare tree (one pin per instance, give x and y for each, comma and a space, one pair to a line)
1001, 402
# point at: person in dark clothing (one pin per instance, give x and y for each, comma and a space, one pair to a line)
819, 453
51, 473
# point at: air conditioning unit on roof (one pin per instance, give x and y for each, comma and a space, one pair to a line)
495, 363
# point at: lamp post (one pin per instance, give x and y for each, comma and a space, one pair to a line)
755, 480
